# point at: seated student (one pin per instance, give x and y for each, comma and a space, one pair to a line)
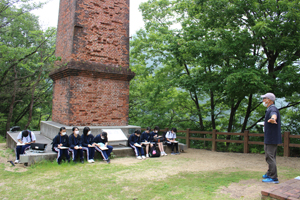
25, 138
134, 141
160, 144
75, 145
147, 137
88, 144
60, 145
102, 138
170, 137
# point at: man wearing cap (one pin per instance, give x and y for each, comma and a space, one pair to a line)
272, 137
25, 138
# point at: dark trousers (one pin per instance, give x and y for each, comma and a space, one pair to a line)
270, 153
21, 149
75, 152
90, 152
172, 146
105, 153
138, 150
61, 152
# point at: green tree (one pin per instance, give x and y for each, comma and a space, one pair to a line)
26, 57
224, 54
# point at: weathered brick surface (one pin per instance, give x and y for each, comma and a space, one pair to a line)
91, 87
84, 101
94, 30
287, 190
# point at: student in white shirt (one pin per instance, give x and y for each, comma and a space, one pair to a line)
170, 137
25, 138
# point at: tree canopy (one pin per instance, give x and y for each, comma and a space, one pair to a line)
203, 64
26, 57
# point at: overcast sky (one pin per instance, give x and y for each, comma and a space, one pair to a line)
48, 15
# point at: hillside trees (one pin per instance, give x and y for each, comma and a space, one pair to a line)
222, 55
26, 57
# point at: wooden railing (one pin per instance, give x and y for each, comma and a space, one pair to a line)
286, 139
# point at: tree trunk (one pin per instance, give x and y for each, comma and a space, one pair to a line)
13, 99
32, 99
231, 118
247, 113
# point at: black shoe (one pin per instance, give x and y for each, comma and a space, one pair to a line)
108, 161
69, 161
59, 162
82, 161
75, 162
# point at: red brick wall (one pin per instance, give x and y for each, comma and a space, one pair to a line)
84, 101
91, 87
98, 31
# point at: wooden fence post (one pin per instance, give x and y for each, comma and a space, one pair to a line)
246, 139
187, 138
286, 148
214, 137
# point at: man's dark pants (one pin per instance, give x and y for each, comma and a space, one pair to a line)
270, 153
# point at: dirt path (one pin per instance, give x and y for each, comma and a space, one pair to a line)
200, 160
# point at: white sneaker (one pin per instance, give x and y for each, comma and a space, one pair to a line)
165, 154
90, 161
93, 160
143, 157
147, 155
139, 157
162, 154
17, 161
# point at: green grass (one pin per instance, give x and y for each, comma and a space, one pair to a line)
47, 180
2, 139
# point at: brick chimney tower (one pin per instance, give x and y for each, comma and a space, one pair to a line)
91, 85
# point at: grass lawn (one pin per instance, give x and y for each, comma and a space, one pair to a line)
147, 179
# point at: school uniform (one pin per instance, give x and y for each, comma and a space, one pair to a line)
105, 153
146, 137
73, 142
139, 151
64, 140
171, 136
22, 148
87, 140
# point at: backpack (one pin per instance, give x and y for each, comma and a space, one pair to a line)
154, 152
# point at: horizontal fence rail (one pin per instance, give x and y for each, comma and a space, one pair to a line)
286, 138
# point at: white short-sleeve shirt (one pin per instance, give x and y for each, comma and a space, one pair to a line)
26, 139
170, 135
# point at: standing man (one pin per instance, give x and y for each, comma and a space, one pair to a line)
272, 137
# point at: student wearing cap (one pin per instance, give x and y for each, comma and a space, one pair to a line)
25, 138
272, 137
60, 145
76, 145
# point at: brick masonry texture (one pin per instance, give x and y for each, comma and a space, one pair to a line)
288, 190
96, 101
91, 86
94, 30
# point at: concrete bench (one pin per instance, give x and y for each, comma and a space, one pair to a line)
32, 157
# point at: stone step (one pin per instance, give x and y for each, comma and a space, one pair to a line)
32, 156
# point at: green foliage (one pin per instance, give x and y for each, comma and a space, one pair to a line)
203, 64
27, 56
